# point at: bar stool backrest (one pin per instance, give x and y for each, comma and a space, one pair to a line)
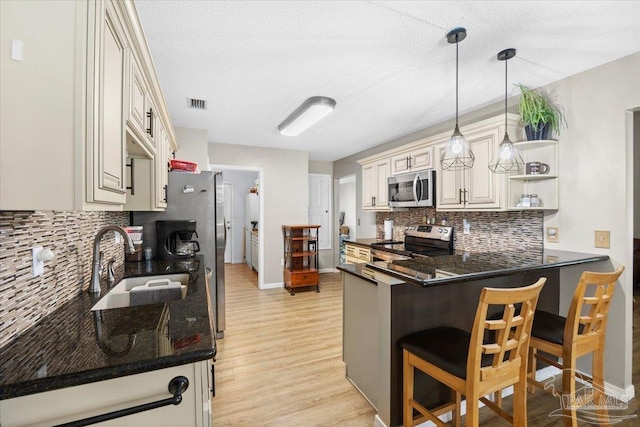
589, 309
507, 342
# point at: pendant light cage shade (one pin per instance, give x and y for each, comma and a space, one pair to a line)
508, 158
457, 154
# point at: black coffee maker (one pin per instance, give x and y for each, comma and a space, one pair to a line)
175, 239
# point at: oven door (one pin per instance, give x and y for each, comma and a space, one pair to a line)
412, 190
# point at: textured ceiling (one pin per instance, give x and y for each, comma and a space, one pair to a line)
387, 64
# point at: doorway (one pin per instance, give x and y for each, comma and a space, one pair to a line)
242, 184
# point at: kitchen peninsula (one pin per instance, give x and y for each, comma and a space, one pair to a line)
390, 300
76, 363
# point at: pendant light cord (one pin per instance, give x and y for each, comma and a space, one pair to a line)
505, 95
457, 35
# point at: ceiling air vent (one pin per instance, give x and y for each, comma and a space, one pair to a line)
196, 104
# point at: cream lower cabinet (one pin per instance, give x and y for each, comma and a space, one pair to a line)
79, 402
355, 254
374, 183
476, 188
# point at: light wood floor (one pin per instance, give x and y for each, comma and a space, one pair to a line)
280, 363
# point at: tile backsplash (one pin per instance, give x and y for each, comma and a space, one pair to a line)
25, 299
489, 231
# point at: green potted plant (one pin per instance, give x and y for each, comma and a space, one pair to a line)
540, 115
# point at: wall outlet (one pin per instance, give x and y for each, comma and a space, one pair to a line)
281, 261
552, 235
603, 239
118, 237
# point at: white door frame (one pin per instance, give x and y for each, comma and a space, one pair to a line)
260, 171
228, 250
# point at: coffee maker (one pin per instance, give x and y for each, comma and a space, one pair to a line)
175, 239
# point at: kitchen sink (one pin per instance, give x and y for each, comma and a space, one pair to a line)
143, 290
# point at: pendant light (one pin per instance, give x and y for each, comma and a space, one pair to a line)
507, 159
457, 154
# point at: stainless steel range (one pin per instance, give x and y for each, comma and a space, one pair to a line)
419, 240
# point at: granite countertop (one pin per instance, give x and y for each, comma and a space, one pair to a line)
357, 270
74, 345
369, 242
462, 266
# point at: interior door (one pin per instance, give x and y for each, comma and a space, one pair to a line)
228, 215
320, 207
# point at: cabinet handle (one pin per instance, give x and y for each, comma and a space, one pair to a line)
373, 200
177, 386
465, 195
409, 161
460, 196
132, 187
165, 193
150, 116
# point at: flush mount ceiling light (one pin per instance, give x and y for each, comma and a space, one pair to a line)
508, 159
311, 110
457, 155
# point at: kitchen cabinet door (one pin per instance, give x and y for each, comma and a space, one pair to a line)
483, 186
106, 151
374, 184
416, 159
78, 402
450, 186
161, 168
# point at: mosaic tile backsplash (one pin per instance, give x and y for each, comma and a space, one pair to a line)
25, 299
489, 232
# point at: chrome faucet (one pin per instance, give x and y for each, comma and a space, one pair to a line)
94, 286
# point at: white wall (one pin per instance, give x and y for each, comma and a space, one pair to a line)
192, 146
596, 187
241, 181
284, 189
636, 174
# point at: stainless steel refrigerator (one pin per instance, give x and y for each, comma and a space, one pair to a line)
199, 197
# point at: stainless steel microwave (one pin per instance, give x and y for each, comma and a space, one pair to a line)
412, 190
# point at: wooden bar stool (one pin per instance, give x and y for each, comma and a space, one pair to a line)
580, 333
471, 364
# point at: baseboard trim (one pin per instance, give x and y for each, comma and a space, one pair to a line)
328, 270
377, 422
273, 285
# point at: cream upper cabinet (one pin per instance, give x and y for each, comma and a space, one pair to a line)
70, 99
476, 188
374, 183
416, 159
161, 168
138, 101
107, 58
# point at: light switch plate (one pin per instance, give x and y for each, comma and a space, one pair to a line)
552, 235
603, 239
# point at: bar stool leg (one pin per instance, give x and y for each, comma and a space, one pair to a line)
569, 390
520, 399
456, 418
597, 370
533, 354
407, 392
473, 410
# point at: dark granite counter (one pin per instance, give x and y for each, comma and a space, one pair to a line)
465, 266
74, 346
368, 242
357, 270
